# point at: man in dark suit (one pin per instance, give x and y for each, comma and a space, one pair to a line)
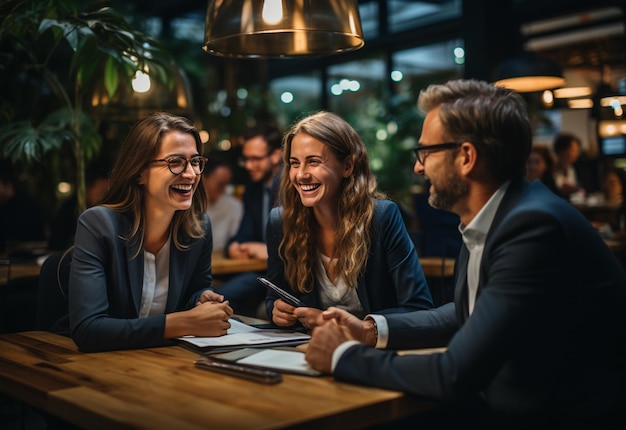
536, 334
261, 157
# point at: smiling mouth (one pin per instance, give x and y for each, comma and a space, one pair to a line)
182, 188
309, 187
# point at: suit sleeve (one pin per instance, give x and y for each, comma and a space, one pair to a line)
516, 302
395, 265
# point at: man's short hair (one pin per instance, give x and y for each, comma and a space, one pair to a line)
270, 132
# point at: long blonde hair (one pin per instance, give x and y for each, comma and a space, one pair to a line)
299, 248
125, 195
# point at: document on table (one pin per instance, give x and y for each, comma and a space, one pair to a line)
283, 359
242, 335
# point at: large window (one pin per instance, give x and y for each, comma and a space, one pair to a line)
291, 96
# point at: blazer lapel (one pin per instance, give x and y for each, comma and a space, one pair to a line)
460, 286
135, 272
177, 274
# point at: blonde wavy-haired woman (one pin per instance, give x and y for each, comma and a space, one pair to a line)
335, 240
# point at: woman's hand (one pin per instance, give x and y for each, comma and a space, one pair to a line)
309, 317
282, 314
205, 319
210, 296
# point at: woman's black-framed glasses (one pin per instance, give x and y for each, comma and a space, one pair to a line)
422, 150
178, 165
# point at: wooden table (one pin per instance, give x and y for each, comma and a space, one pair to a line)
159, 388
228, 266
432, 266
435, 267
23, 270
220, 266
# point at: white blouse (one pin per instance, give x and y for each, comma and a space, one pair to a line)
339, 295
156, 279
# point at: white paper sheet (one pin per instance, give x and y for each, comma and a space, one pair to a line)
244, 334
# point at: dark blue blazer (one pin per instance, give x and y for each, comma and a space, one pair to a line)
393, 280
251, 228
106, 283
547, 337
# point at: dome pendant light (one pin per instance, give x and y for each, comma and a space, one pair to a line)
282, 28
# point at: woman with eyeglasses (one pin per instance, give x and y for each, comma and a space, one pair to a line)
335, 240
141, 267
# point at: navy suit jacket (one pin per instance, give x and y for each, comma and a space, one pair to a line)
548, 333
393, 280
251, 228
106, 283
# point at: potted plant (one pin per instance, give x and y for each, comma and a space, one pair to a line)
52, 54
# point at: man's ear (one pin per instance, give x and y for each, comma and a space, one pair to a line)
469, 157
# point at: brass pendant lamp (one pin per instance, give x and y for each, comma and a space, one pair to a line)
282, 28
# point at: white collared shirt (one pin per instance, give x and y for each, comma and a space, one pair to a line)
156, 277
475, 233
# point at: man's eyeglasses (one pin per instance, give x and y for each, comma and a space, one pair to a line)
252, 159
178, 165
422, 150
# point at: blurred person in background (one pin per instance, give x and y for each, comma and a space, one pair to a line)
567, 147
261, 157
223, 208
540, 166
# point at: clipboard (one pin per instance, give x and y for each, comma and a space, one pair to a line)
281, 359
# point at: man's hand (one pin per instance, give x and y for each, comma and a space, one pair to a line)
362, 330
255, 250
235, 251
324, 340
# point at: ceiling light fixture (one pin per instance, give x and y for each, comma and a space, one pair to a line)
529, 73
572, 92
280, 29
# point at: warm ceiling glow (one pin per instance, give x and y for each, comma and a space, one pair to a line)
141, 82
529, 84
580, 103
613, 101
612, 128
571, 92
272, 12
547, 97
204, 136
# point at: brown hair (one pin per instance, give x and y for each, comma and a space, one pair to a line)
299, 246
495, 120
125, 195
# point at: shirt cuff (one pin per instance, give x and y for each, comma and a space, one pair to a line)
383, 330
339, 352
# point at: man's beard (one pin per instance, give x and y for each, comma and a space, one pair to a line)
448, 193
